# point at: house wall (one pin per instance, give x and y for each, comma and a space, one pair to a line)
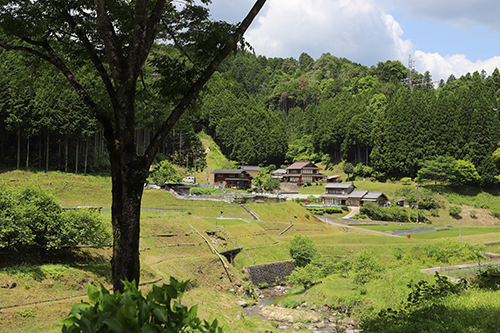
220, 179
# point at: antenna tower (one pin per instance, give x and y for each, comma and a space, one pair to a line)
410, 70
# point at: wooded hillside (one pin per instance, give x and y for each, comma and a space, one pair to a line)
267, 111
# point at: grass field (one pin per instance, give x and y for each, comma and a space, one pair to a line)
171, 246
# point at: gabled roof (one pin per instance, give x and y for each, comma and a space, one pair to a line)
303, 164
228, 171
358, 194
231, 172
373, 196
339, 185
250, 168
279, 171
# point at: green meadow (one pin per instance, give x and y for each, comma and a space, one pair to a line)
171, 245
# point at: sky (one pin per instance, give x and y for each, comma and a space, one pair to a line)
442, 36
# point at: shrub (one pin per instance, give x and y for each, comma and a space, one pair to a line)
406, 180
302, 250
488, 278
160, 311
473, 214
365, 267
164, 172
31, 217
199, 191
306, 276
455, 212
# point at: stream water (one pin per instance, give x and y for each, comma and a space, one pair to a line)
270, 296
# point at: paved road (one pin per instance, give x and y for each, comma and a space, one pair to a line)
454, 279
354, 211
331, 220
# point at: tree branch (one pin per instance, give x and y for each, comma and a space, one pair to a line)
198, 85
91, 52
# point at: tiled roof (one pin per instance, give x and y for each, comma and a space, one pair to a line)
302, 165
339, 185
373, 196
250, 168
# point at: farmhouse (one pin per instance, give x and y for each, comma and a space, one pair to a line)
301, 172
252, 170
338, 194
232, 178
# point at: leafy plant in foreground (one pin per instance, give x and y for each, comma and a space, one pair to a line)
160, 311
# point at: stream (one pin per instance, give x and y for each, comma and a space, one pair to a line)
269, 296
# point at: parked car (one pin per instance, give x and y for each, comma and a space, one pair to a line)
188, 180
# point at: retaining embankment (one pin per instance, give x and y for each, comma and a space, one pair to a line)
269, 273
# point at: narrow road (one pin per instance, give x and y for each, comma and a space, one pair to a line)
329, 220
454, 279
354, 211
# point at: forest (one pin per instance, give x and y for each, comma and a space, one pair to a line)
264, 111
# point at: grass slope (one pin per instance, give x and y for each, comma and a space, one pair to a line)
171, 246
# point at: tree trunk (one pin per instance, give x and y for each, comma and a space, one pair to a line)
86, 154
18, 147
66, 155
47, 151
76, 157
27, 153
128, 172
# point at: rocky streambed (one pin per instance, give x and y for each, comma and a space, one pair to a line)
319, 318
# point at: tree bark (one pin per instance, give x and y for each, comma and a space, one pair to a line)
86, 154
47, 152
27, 153
18, 147
76, 157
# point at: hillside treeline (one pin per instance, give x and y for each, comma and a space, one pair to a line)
264, 111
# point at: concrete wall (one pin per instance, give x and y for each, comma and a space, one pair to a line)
268, 272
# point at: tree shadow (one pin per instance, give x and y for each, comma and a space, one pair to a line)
28, 261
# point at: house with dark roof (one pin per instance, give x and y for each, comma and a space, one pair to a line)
232, 178
338, 194
252, 170
301, 172
379, 197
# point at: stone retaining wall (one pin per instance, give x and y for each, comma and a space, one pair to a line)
258, 199
269, 272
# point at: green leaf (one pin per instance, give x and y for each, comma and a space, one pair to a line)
93, 293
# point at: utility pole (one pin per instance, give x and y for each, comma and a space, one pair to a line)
460, 238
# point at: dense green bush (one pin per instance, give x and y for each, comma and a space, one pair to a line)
365, 267
302, 250
164, 172
160, 311
487, 278
442, 251
306, 276
423, 311
321, 211
199, 191
31, 217
455, 212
